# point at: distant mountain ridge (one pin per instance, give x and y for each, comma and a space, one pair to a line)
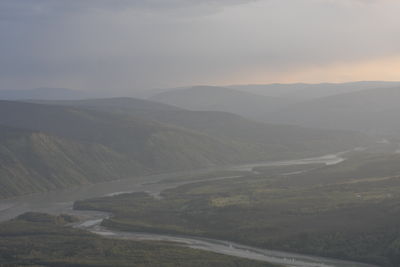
213, 98
370, 107
261, 102
374, 111
304, 91
121, 105
43, 93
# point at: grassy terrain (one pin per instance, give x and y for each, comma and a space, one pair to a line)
42, 240
36, 162
153, 145
45, 147
346, 211
272, 141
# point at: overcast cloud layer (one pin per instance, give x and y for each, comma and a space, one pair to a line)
132, 45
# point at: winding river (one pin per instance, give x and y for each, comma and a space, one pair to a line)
57, 202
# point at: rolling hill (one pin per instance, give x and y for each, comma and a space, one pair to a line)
374, 111
271, 141
304, 91
157, 146
212, 98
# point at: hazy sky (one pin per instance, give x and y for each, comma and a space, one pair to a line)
137, 44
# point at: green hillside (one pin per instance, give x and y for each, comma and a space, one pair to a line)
271, 141
36, 162
62, 146
157, 146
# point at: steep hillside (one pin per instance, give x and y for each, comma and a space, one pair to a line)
277, 140
63, 146
270, 140
36, 162
156, 146
213, 98
373, 111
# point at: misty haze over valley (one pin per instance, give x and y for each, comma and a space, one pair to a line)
200, 133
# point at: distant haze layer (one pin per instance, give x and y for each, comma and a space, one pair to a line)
122, 46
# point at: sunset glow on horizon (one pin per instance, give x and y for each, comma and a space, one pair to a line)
385, 69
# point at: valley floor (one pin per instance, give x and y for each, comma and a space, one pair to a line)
36, 239
342, 211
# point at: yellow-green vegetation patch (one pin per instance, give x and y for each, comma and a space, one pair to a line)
230, 201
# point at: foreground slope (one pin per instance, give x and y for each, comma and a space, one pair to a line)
35, 239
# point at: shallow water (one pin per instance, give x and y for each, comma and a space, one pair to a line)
227, 248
